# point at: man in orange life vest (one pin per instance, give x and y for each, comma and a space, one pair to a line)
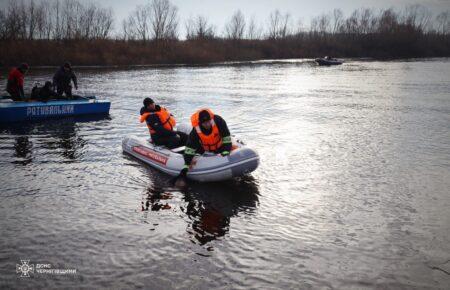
14, 86
160, 124
209, 133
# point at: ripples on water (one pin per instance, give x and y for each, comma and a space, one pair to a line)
352, 190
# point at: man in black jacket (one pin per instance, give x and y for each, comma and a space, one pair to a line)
209, 133
62, 78
160, 124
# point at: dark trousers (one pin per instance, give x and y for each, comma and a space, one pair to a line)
15, 95
67, 90
171, 142
218, 151
183, 138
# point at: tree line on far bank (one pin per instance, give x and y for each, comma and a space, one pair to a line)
84, 33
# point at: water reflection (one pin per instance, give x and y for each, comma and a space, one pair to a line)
209, 207
22, 148
56, 136
64, 139
154, 199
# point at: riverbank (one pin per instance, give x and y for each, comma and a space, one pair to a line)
107, 52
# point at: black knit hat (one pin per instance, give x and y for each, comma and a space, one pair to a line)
204, 116
148, 101
24, 66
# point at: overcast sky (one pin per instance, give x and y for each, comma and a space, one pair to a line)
218, 12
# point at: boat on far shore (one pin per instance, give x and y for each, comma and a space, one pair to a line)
11, 111
328, 61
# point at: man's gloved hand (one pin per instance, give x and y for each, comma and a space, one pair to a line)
76, 87
225, 153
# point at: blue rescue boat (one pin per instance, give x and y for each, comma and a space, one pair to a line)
11, 111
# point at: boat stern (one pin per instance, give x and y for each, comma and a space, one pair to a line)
244, 160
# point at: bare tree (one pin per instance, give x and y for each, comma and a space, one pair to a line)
314, 25
104, 23
163, 19
388, 21
87, 21
129, 29
40, 20
279, 25
189, 26
235, 28
23, 20
274, 24
199, 28
137, 25
417, 16
14, 21
253, 30
139, 20
337, 20
157, 20
443, 23
3, 26
57, 32
68, 19
46, 20
351, 23
299, 28
361, 21
30, 23
366, 21
324, 23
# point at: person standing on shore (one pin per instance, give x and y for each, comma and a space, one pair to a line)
62, 78
14, 85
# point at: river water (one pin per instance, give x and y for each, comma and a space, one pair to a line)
352, 191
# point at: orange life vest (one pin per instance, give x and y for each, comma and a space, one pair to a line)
166, 119
212, 141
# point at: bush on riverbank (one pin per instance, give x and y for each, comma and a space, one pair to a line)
120, 52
